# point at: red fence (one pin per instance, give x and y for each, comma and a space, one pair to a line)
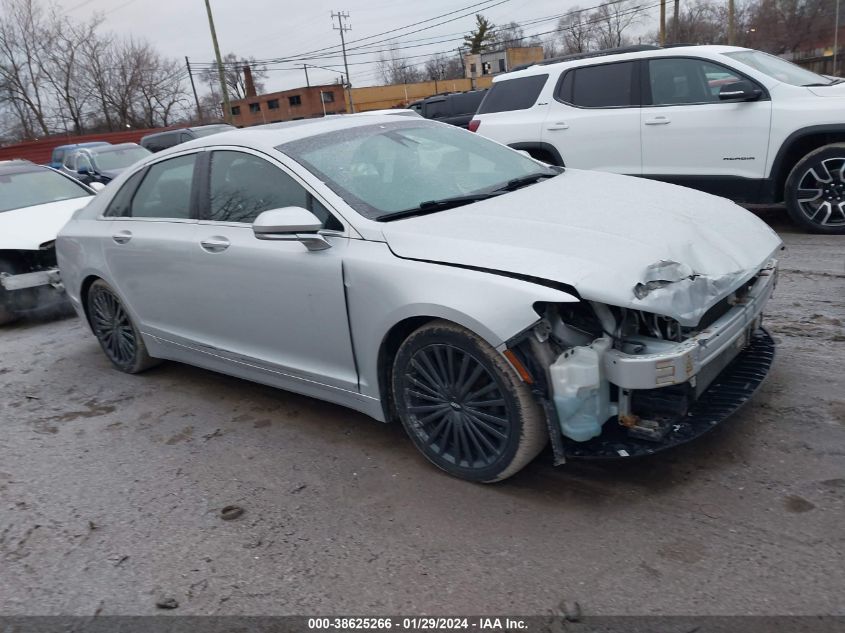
40, 151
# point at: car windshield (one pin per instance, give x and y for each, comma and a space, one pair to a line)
386, 169
27, 188
118, 158
780, 69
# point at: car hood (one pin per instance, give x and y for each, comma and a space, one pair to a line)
837, 90
618, 240
28, 228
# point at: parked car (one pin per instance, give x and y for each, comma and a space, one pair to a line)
408, 269
455, 108
35, 202
730, 121
162, 140
59, 152
102, 164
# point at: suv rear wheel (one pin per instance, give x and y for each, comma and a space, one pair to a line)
815, 190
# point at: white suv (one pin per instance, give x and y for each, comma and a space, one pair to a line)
730, 121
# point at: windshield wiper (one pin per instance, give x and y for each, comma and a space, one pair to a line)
522, 181
430, 206
817, 85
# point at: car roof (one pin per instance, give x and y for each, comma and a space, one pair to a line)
270, 136
99, 150
600, 57
20, 166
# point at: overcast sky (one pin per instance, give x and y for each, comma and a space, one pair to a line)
270, 29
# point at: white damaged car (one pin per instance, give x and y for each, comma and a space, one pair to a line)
417, 272
35, 202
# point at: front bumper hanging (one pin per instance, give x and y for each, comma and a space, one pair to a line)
732, 388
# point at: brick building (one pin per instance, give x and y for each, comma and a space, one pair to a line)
288, 105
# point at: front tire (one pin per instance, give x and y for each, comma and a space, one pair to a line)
815, 190
463, 406
118, 337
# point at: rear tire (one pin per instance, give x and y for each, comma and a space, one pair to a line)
118, 337
463, 405
815, 191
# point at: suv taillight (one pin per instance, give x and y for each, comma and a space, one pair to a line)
474, 125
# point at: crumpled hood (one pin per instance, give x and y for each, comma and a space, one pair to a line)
618, 240
26, 229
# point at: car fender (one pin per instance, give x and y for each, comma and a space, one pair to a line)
383, 290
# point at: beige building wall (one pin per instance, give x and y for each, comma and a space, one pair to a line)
401, 95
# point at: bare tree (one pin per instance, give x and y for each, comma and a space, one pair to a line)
443, 67
782, 26
23, 39
396, 70
611, 20
63, 63
233, 73
510, 35
577, 33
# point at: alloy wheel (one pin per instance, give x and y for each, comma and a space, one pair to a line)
113, 328
821, 193
456, 406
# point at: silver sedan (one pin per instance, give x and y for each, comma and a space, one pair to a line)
414, 271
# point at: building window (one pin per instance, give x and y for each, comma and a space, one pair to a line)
472, 68
501, 65
255, 107
328, 97
295, 100
236, 110
273, 104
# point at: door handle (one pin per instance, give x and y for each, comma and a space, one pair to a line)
658, 120
560, 125
121, 237
215, 244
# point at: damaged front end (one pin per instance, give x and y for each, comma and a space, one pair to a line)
30, 281
621, 382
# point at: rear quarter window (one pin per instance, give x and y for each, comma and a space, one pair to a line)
603, 86
513, 94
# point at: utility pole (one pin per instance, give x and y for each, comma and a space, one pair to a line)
227, 110
307, 83
662, 22
676, 18
836, 42
342, 16
731, 23
194, 88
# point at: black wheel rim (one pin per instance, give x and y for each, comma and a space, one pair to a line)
821, 193
113, 327
456, 406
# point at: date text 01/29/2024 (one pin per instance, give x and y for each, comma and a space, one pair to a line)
424, 623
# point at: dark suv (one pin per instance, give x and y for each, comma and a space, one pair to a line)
162, 140
456, 108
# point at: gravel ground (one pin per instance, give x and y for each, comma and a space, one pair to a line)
111, 487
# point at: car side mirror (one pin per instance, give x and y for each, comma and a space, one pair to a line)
290, 224
742, 90
97, 186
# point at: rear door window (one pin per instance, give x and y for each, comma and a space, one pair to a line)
166, 190
513, 94
604, 86
437, 109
